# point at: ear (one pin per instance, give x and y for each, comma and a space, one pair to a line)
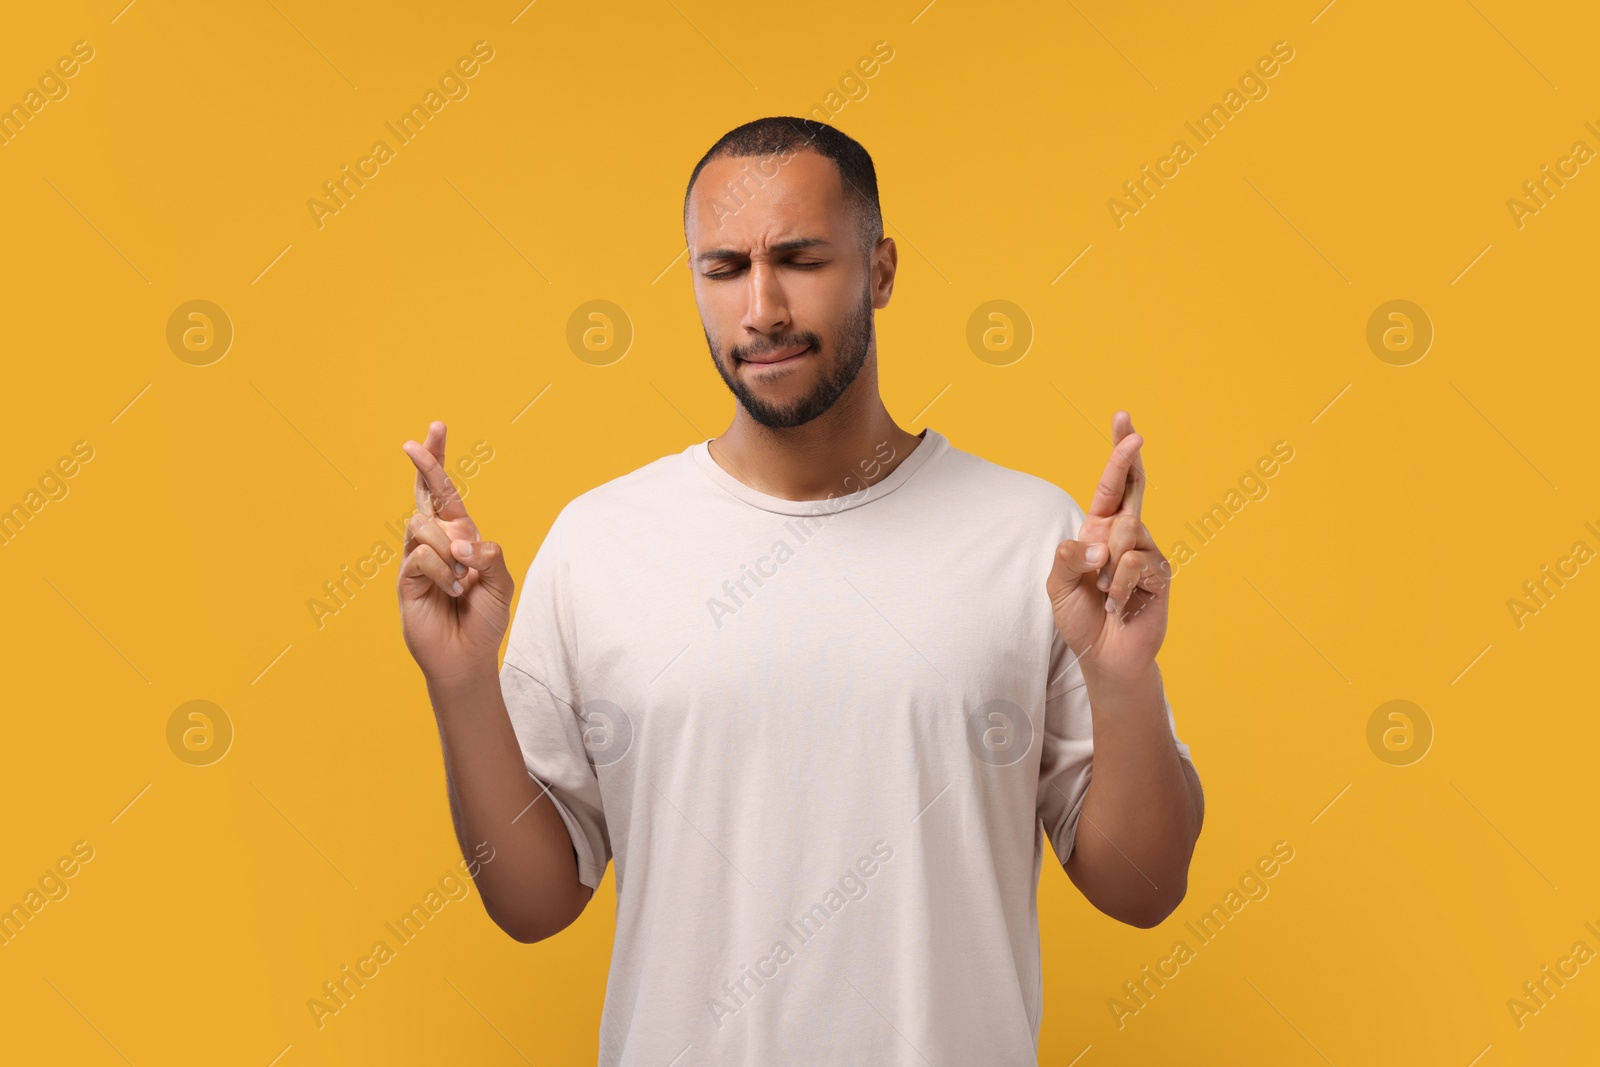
885, 261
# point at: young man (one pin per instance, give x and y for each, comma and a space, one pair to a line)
821, 687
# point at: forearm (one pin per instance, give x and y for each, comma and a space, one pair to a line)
531, 888
1141, 814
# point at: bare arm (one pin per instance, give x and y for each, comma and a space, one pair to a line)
455, 607
1142, 813
1110, 590
531, 888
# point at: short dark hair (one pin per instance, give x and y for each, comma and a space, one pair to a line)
781, 134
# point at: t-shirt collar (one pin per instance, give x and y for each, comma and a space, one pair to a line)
933, 443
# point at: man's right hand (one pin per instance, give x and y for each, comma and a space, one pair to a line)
455, 590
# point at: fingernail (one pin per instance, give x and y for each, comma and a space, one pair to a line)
464, 548
1111, 605
460, 570
1095, 554
456, 588
1104, 583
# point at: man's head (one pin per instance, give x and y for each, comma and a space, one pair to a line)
787, 250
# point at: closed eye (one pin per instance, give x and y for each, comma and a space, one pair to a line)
808, 265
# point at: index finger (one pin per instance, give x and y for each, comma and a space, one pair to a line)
434, 444
1133, 499
436, 493
1121, 485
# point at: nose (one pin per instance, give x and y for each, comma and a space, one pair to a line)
766, 310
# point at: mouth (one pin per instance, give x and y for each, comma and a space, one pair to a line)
780, 358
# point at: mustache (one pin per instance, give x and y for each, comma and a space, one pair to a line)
745, 351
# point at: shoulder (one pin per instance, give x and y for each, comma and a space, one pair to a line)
1009, 495
628, 501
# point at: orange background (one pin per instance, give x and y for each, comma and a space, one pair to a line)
1228, 313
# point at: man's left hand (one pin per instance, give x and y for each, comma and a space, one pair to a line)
1111, 607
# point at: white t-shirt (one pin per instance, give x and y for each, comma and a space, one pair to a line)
824, 742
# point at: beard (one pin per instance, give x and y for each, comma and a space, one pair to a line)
855, 339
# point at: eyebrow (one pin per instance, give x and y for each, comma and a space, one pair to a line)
722, 254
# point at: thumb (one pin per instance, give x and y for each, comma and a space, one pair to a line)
486, 558
1073, 559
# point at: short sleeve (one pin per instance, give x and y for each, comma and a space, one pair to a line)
539, 681
1067, 757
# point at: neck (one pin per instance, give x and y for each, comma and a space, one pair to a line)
851, 446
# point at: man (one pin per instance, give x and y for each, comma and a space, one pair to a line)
819, 686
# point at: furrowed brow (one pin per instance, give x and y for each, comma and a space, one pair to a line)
793, 244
